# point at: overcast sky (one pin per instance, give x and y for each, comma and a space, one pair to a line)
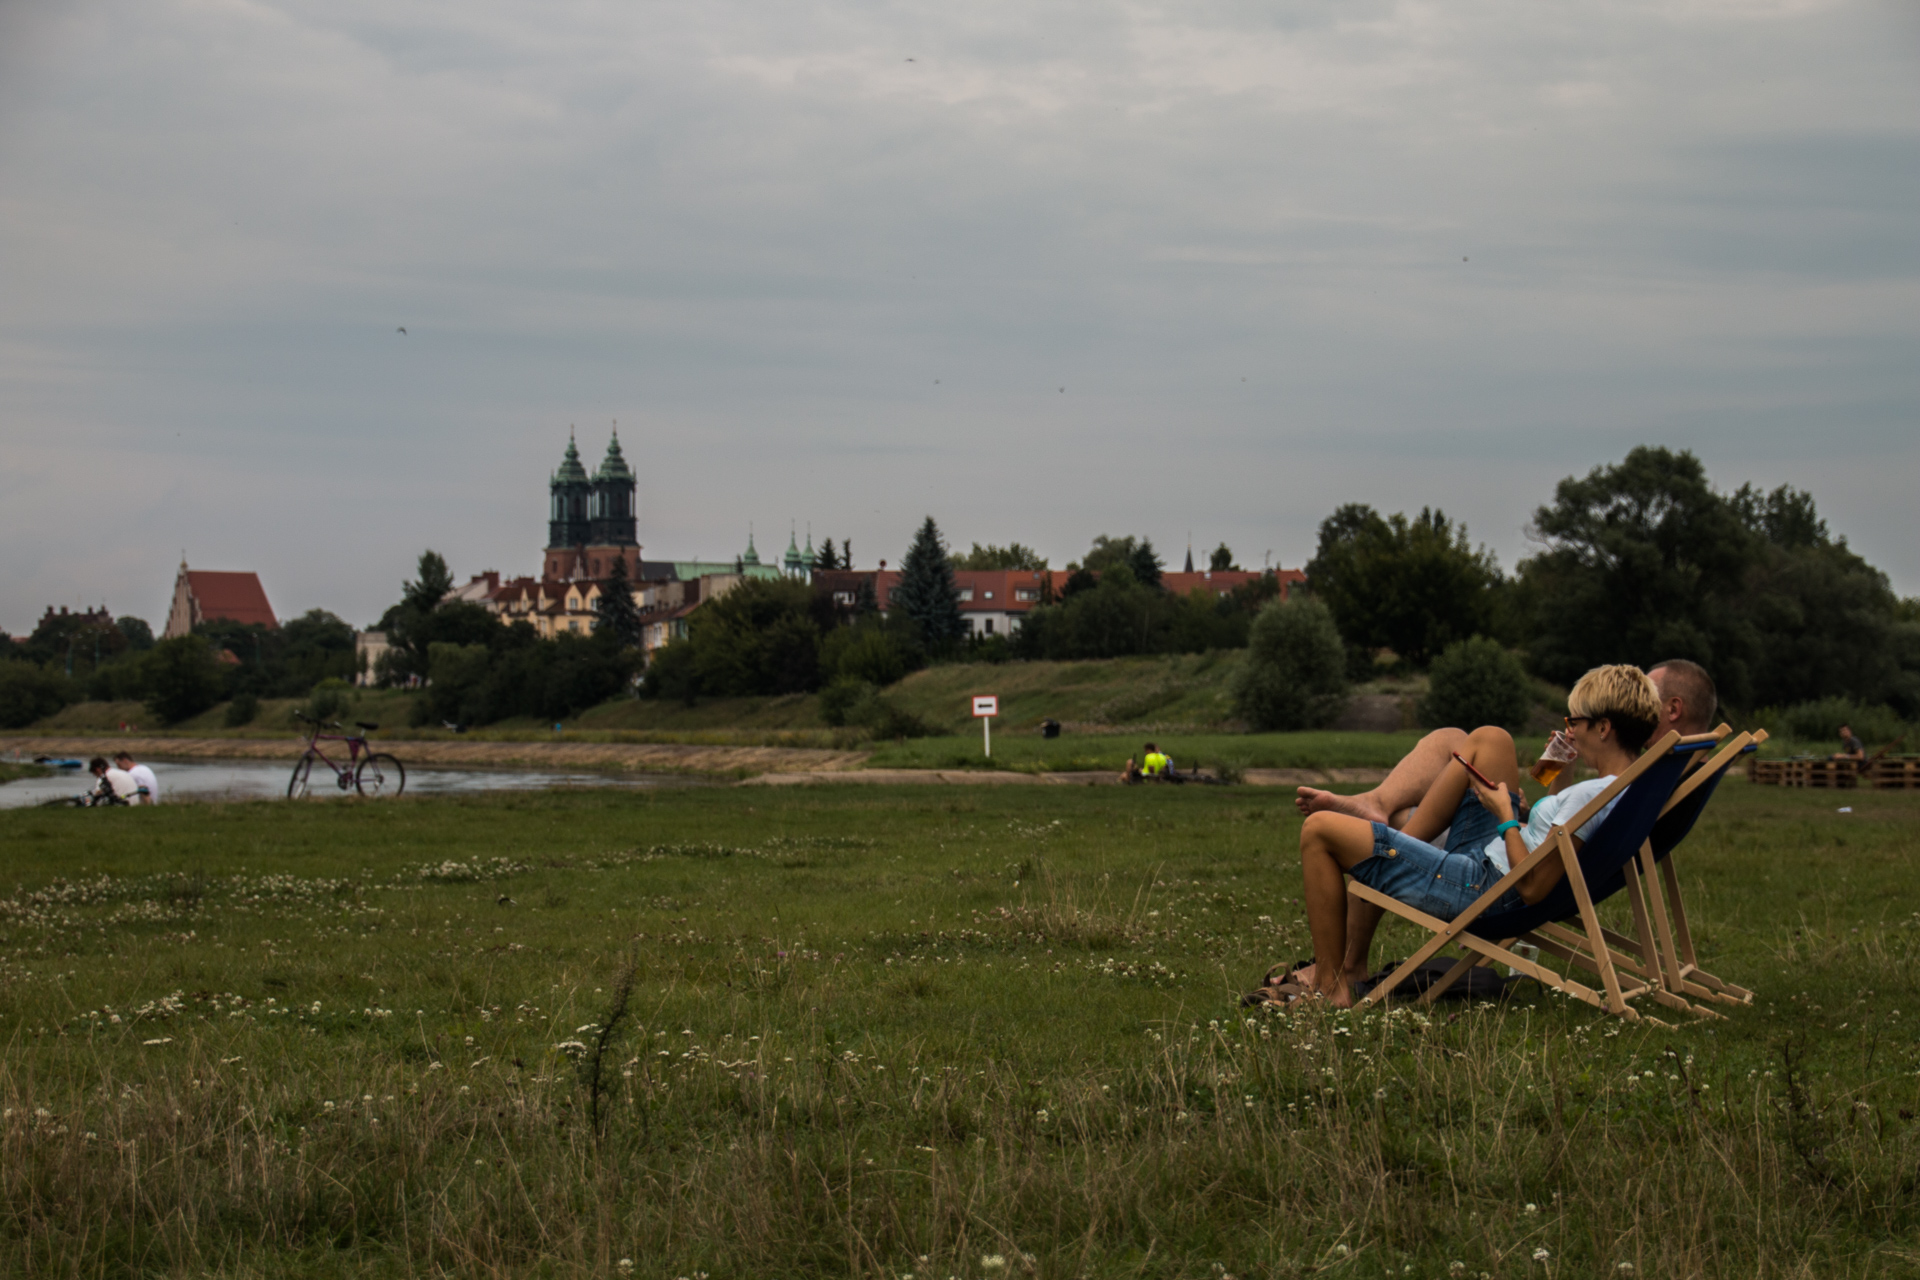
1042, 270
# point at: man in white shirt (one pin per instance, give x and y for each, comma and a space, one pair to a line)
116, 785
142, 777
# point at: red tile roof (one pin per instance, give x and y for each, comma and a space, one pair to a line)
233, 597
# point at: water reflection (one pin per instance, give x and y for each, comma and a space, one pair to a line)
262, 779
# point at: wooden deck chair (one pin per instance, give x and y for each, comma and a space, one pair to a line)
1661, 950
1639, 795
1660, 914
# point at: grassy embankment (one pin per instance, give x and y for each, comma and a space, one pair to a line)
892, 1033
10, 770
1118, 696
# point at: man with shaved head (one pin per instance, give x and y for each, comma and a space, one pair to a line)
1688, 699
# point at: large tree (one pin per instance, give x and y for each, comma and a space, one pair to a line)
426, 591
926, 591
1646, 561
618, 616
1411, 585
1011, 556
1643, 561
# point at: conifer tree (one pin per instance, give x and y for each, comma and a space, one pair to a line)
618, 617
926, 591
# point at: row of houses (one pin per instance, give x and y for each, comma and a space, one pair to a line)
996, 601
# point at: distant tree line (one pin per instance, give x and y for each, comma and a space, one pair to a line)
69, 659
1639, 561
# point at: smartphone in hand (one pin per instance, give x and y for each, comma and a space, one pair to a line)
1478, 776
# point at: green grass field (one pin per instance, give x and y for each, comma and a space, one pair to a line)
906, 1032
1074, 751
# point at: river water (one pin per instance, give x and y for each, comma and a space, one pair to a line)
262, 779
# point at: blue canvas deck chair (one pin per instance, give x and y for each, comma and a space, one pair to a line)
1664, 942
1593, 871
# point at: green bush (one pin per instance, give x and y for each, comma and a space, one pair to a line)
243, 710
841, 697
331, 699
29, 692
874, 653
1295, 675
183, 679
1820, 721
1476, 682
850, 702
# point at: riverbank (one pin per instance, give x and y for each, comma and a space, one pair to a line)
641, 757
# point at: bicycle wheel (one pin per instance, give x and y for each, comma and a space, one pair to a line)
297, 785
380, 775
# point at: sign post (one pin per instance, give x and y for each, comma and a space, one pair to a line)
985, 707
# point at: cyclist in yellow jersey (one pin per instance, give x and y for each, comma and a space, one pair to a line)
1156, 763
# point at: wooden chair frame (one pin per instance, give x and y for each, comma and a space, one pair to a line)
1590, 946
1665, 941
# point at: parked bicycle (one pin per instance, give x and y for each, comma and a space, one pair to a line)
371, 773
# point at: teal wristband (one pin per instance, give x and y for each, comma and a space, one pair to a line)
1507, 826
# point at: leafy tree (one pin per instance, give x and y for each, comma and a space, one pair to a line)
425, 592
31, 691
872, 651
1117, 615
1108, 551
1825, 623
76, 641
1221, 560
139, 635
1644, 561
1476, 682
759, 638
1413, 586
1011, 556
1295, 673
926, 592
619, 618
183, 678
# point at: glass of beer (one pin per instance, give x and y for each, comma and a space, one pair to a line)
1556, 756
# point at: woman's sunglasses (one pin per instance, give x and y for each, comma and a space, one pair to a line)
1582, 719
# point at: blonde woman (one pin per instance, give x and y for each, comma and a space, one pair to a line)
1611, 714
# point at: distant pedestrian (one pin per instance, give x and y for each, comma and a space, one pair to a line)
1851, 748
141, 774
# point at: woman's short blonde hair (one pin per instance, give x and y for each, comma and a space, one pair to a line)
1621, 695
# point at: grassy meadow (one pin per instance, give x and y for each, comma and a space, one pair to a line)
906, 1032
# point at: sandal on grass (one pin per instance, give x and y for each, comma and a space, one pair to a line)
1275, 993
1278, 975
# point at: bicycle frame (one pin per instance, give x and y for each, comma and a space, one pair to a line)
356, 743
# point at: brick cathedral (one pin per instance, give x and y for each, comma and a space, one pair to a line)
591, 521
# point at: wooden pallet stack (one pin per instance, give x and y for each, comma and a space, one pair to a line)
1805, 772
1896, 773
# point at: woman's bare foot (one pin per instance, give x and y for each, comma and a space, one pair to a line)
1313, 800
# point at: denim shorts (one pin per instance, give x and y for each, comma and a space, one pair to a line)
1442, 882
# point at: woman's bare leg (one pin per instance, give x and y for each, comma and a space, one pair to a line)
1330, 843
1402, 788
1491, 750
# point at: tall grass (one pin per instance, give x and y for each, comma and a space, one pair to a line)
869, 1033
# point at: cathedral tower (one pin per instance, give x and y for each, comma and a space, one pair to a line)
592, 522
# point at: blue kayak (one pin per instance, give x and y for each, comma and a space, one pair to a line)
51, 763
